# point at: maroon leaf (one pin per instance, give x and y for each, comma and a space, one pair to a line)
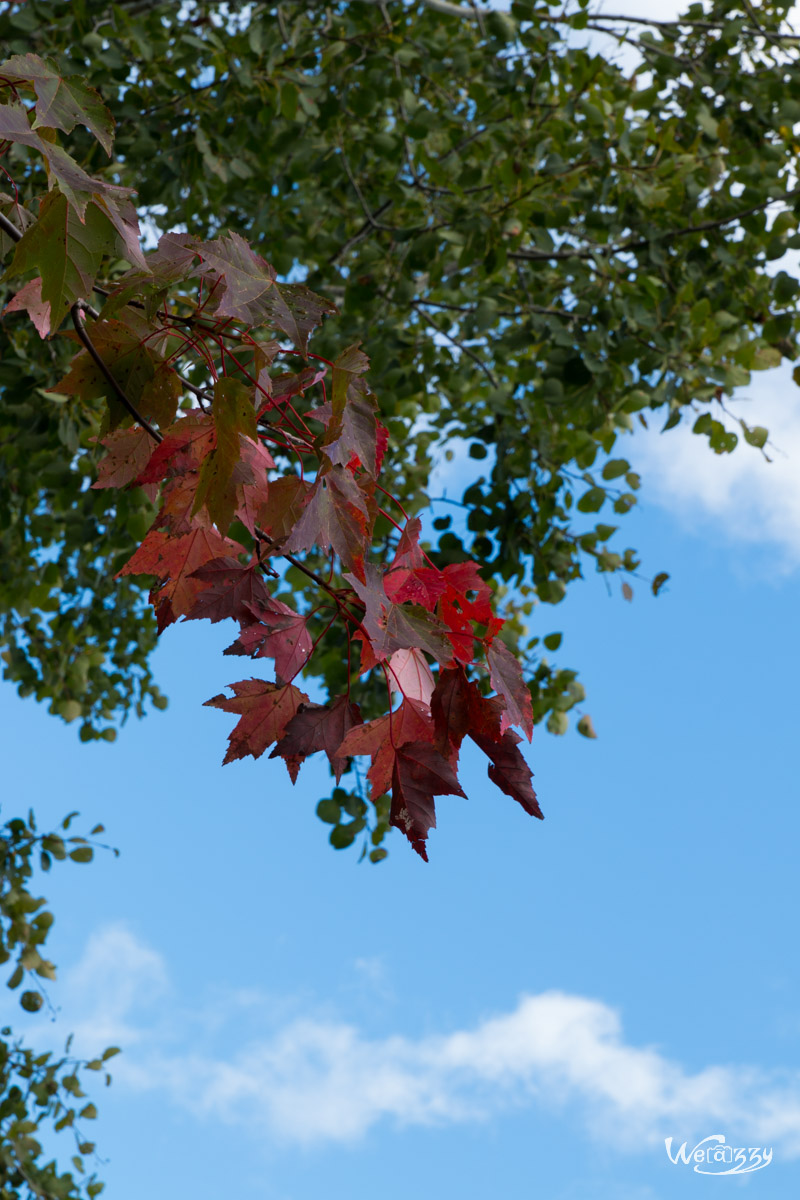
381, 447
352, 431
185, 446
450, 710
281, 510
507, 680
252, 295
296, 310
391, 627
409, 552
247, 277
283, 387
230, 589
129, 452
335, 518
253, 496
411, 722
318, 727
177, 505
275, 631
171, 262
509, 770
420, 773
29, 299
174, 561
355, 433
265, 709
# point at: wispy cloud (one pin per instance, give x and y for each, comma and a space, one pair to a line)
743, 495
312, 1079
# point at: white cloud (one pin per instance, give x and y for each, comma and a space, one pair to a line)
316, 1079
741, 494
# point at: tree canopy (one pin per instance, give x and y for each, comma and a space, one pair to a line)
536, 246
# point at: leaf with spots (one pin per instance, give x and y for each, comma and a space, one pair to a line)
318, 727
264, 711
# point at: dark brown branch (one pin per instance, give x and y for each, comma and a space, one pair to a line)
360, 234
460, 346
80, 329
523, 310
365, 207
677, 23
9, 228
639, 243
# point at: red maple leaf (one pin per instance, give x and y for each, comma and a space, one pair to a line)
411, 722
280, 511
265, 709
177, 505
393, 627
29, 299
128, 454
418, 585
507, 680
450, 708
253, 496
174, 560
318, 727
409, 552
352, 433
335, 518
509, 770
185, 446
229, 590
275, 631
420, 773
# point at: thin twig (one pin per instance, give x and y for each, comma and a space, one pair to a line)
80, 328
640, 243
463, 348
360, 234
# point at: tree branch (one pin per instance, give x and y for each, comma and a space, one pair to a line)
460, 346
360, 234
640, 243
523, 310
80, 329
9, 228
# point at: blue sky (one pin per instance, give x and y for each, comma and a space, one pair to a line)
536, 1010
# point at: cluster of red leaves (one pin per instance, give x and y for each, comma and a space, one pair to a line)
226, 513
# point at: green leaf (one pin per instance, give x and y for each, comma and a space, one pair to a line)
615, 467
658, 582
329, 811
17, 975
62, 102
66, 253
755, 435
342, 836
592, 501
